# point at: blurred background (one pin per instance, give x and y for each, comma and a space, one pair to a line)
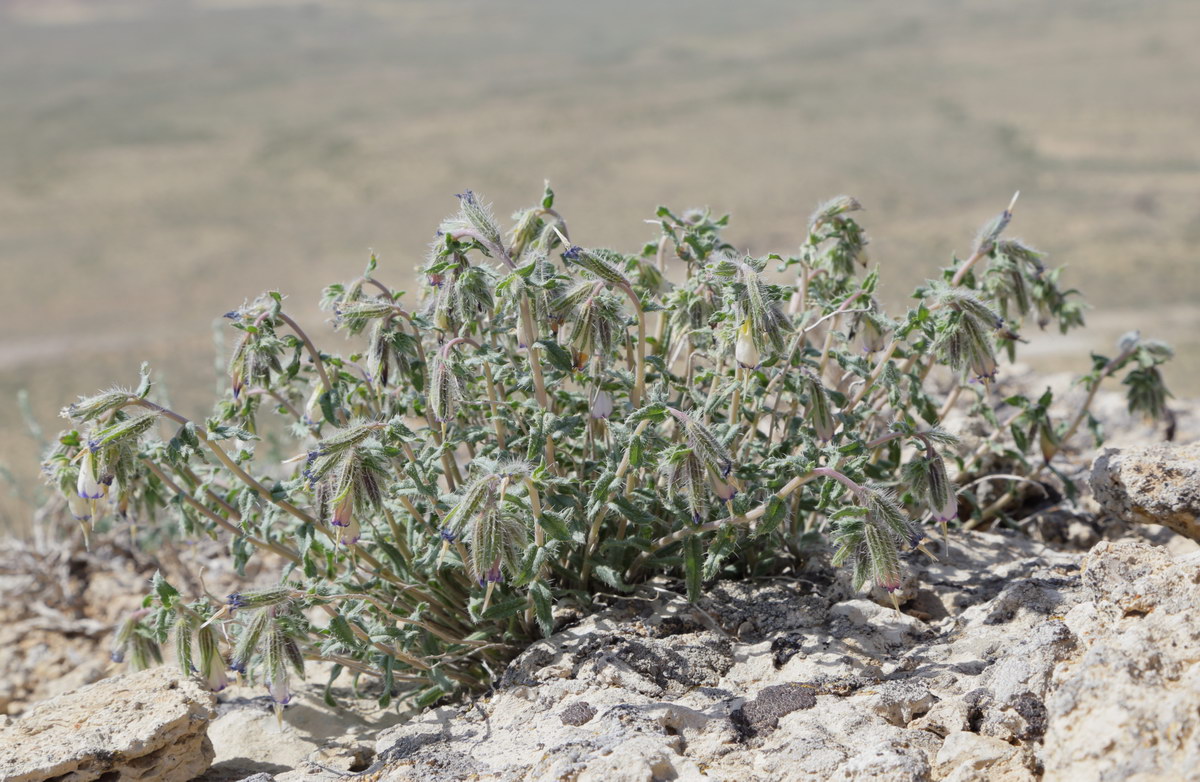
163, 160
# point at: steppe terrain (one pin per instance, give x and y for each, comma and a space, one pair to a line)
162, 162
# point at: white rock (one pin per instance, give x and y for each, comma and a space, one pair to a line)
146, 725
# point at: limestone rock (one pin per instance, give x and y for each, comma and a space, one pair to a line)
138, 726
1156, 484
970, 757
793, 680
1128, 707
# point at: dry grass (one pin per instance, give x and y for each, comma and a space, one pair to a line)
159, 162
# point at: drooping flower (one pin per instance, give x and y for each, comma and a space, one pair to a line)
212, 664
349, 534
81, 509
602, 405
343, 512
89, 487
745, 351
820, 414
725, 491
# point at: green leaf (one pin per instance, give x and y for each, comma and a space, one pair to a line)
325, 400
304, 538
636, 444
1018, 435
340, 628
558, 358
632, 512
505, 609
775, 513
723, 544
166, 593
555, 525
542, 606
612, 577
693, 553
393, 554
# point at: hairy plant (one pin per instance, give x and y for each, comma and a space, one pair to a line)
555, 421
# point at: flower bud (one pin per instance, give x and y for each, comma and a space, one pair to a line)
378, 355
183, 643
820, 415
883, 557
597, 264
248, 642
831, 209
1048, 442
479, 215
444, 392
706, 447
125, 430
94, 406
124, 636
441, 314
885, 513
259, 598
874, 338
940, 494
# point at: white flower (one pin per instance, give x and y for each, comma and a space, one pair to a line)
349, 534
602, 405
88, 487
278, 687
745, 351
81, 509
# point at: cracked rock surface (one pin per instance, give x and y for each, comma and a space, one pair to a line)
1024, 663
149, 725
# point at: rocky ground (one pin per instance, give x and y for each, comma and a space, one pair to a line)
1012, 661
1067, 650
